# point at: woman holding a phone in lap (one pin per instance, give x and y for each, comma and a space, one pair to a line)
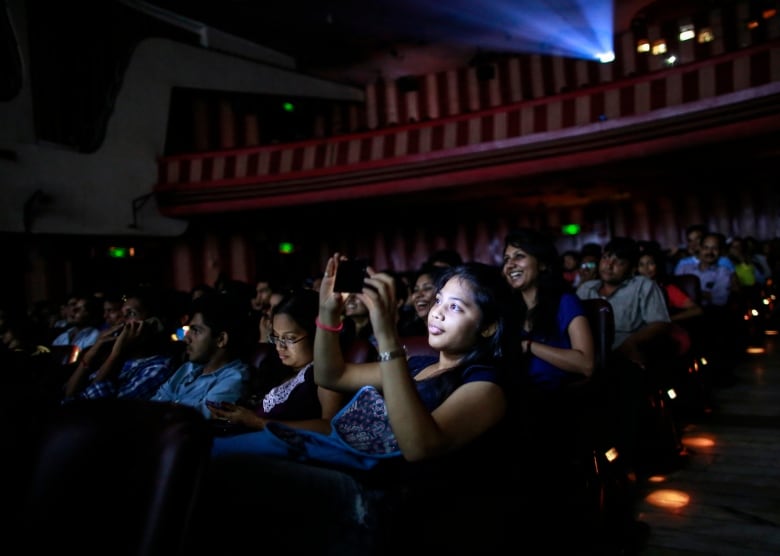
289, 394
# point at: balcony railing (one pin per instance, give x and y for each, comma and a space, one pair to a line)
737, 92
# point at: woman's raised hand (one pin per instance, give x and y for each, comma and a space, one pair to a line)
330, 301
380, 298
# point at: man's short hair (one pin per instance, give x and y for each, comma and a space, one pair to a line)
623, 248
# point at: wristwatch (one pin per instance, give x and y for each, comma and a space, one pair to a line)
388, 355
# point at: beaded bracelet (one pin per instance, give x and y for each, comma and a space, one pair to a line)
322, 326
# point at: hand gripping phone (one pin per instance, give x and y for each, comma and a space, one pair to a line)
350, 276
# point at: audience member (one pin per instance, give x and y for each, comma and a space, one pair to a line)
295, 399
112, 309
718, 282
420, 417
263, 319
216, 347
556, 334
570, 262
652, 264
423, 295
746, 268
642, 325
66, 306
690, 256
590, 255
754, 250
357, 320
684, 312
722, 326
558, 348
83, 322
140, 354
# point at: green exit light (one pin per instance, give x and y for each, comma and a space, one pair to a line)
285, 247
118, 252
288, 107
570, 229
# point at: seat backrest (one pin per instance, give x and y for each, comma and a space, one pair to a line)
115, 476
602, 324
260, 352
690, 284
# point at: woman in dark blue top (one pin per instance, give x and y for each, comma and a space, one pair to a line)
409, 411
418, 431
466, 324
556, 336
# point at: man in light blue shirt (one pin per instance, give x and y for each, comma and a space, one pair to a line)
718, 283
83, 319
216, 342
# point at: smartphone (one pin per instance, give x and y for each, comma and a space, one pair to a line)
350, 276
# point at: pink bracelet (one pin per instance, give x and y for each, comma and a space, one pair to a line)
319, 324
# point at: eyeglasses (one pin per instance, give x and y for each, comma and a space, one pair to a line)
284, 342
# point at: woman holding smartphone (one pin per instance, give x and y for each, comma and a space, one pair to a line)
416, 439
290, 396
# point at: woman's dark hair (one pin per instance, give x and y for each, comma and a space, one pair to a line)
301, 305
495, 299
445, 258
551, 284
625, 248
432, 270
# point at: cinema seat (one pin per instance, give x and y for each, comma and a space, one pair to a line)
114, 477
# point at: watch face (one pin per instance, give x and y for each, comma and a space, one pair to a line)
388, 355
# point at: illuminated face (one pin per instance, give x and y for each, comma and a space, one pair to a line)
353, 307
201, 343
520, 268
454, 318
294, 346
423, 294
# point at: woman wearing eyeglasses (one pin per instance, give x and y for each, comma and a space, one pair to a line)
293, 398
